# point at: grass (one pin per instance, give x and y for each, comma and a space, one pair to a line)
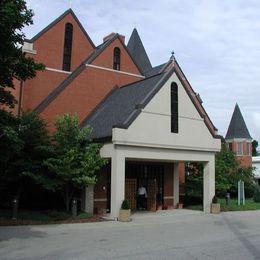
43, 216
249, 205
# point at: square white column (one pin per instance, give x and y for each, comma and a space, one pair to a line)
89, 198
117, 182
176, 180
208, 184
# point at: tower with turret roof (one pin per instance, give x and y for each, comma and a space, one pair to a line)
238, 138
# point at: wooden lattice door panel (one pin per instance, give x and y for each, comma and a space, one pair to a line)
130, 192
151, 194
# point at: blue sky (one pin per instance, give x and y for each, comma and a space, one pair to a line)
217, 44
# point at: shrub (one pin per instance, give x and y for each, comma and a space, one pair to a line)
58, 215
215, 199
256, 196
125, 205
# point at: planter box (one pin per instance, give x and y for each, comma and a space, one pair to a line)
215, 208
179, 206
124, 215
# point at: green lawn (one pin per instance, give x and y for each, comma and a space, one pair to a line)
249, 205
50, 215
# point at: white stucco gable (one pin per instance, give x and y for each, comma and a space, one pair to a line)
152, 127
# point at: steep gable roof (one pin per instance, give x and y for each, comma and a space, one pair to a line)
123, 105
45, 102
237, 127
137, 51
69, 11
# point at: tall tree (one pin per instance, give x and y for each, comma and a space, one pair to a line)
75, 160
14, 16
229, 171
23, 148
254, 148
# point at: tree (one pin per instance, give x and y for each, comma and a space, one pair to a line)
14, 15
228, 172
23, 148
194, 179
75, 160
254, 146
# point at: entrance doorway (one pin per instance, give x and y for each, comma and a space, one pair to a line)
149, 175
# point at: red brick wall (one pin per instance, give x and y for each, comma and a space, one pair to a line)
102, 188
85, 92
35, 90
49, 46
245, 160
106, 58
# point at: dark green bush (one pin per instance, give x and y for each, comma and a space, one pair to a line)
215, 199
125, 205
256, 196
58, 215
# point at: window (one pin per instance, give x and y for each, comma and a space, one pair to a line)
248, 149
174, 108
67, 47
239, 148
116, 62
229, 146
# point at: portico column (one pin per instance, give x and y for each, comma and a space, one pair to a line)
176, 192
117, 182
89, 198
208, 184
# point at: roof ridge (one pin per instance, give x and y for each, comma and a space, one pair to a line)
129, 84
55, 92
54, 22
175, 61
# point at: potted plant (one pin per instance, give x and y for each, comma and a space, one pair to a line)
215, 206
125, 212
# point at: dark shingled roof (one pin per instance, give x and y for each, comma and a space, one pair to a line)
123, 105
237, 127
137, 51
155, 70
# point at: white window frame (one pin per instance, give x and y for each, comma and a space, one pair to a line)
248, 150
238, 150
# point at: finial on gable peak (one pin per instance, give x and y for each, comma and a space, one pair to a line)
172, 56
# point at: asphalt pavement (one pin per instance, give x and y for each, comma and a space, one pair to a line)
172, 234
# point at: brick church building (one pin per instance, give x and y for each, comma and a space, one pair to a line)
149, 119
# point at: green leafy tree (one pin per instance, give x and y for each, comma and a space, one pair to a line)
30, 146
228, 172
254, 148
75, 161
14, 16
194, 179
226, 166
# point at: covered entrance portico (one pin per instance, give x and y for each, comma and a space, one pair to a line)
121, 155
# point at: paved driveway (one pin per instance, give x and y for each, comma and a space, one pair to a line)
176, 234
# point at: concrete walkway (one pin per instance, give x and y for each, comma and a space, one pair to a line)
175, 234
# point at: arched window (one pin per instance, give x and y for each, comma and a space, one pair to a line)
174, 108
116, 62
67, 46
